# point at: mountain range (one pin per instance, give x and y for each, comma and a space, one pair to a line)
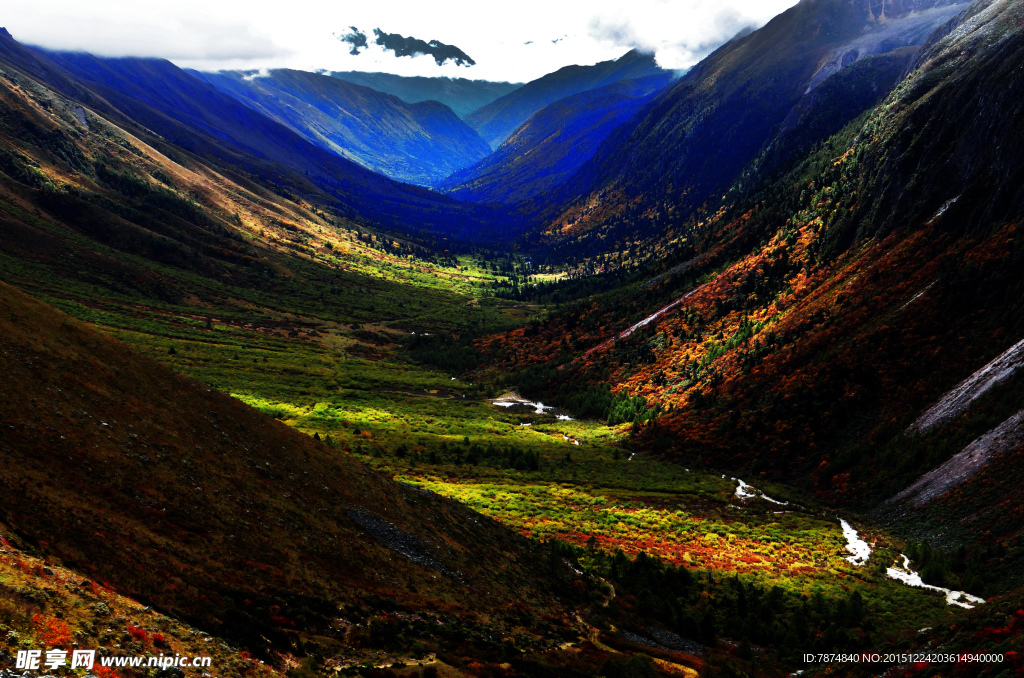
553, 144
461, 95
496, 121
417, 143
714, 373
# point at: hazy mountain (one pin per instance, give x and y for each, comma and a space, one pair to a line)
416, 143
553, 143
459, 94
496, 121
154, 96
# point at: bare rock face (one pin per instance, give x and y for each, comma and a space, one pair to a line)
959, 400
966, 464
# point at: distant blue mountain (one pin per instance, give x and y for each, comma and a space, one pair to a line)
416, 143
155, 97
496, 121
552, 144
459, 94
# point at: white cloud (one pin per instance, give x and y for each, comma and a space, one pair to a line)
509, 41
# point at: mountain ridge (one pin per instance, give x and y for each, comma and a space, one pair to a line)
460, 94
418, 143
500, 118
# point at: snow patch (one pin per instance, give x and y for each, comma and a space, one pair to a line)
911, 578
942, 210
261, 73
960, 399
854, 544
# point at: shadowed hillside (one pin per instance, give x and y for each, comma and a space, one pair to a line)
496, 121
553, 143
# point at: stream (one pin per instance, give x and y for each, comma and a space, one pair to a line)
861, 551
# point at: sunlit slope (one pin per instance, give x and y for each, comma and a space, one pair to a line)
193, 502
817, 320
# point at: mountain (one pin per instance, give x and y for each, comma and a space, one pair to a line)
195, 503
171, 107
496, 121
548, 149
415, 143
459, 94
692, 142
849, 325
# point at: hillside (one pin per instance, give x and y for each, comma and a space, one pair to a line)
459, 94
693, 143
496, 121
188, 500
548, 149
816, 321
751, 391
415, 143
175, 111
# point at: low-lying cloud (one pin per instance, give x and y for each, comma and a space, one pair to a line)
406, 46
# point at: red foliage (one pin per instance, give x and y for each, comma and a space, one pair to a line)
138, 633
159, 640
53, 632
105, 672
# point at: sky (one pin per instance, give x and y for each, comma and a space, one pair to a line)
511, 41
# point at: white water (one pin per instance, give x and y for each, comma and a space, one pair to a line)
744, 491
854, 544
911, 578
565, 417
539, 408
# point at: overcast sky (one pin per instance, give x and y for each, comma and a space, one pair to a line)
515, 41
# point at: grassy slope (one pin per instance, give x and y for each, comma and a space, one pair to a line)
190, 500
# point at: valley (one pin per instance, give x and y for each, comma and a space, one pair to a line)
703, 374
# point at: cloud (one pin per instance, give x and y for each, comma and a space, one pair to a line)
143, 30
680, 34
411, 46
356, 38
243, 35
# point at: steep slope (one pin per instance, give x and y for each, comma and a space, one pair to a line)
694, 141
811, 324
496, 121
416, 143
190, 501
553, 143
459, 94
172, 109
